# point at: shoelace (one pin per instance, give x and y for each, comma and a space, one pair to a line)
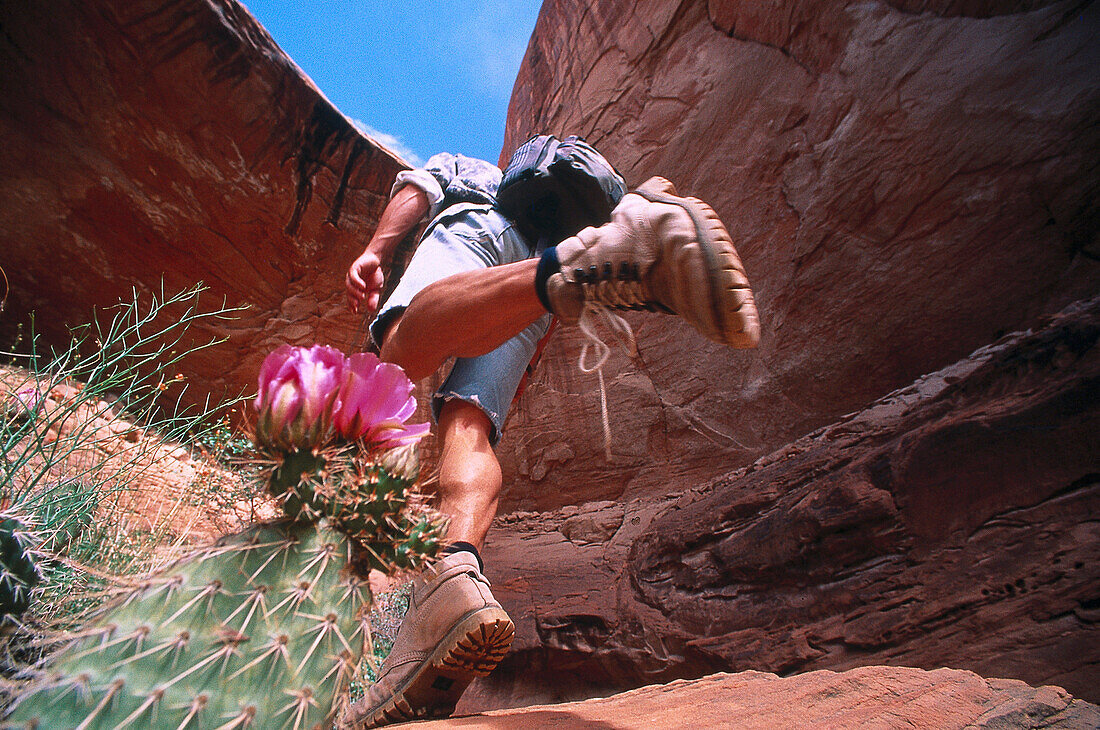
624, 335
618, 293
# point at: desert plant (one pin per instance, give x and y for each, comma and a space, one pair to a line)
62, 461
338, 447
265, 628
262, 629
19, 573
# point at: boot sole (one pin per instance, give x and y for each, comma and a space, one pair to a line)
473, 648
736, 321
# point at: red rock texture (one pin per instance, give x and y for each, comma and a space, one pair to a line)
868, 697
905, 181
174, 141
950, 523
182, 495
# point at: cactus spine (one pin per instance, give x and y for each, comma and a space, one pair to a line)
262, 629
18, 571
365, 494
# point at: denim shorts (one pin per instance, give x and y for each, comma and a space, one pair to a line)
464, 238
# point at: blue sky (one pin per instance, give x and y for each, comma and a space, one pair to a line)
420, 77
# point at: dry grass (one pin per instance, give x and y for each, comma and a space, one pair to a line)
149, 485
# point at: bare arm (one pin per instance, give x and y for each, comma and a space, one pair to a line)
365, 278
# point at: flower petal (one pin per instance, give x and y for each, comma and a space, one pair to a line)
320, 373
405, 434
375, 396
273, 364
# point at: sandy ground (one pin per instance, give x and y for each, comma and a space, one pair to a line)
182, 495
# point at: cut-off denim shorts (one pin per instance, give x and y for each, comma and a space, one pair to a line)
464, 238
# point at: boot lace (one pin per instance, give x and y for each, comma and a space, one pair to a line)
593, 313
617, 294
623, 290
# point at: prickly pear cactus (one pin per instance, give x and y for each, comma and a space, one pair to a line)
365, 494
263, 630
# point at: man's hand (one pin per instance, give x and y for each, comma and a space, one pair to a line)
364, 281
401, 215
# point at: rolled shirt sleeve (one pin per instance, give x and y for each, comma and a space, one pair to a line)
424, 180
449, 179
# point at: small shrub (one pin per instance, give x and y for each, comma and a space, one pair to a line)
67, 458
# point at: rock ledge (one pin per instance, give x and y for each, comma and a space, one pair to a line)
864, 697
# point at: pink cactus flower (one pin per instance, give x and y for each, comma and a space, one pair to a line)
297, 389
374, 402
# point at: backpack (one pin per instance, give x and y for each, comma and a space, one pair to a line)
553, 188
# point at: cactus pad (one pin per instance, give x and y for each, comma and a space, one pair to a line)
263, 630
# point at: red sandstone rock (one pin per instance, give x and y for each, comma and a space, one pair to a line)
905, 181
885, 697
951, 523
864, 697
167, 487
149, 142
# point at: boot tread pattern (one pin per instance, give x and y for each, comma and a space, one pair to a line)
482, 649
733, 310
434, 691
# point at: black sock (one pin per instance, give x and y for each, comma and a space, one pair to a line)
548, 265
459, 547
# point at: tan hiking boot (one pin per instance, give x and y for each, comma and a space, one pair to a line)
663, 253
453, 632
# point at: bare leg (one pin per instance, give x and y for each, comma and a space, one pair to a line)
454, 630
464, 315
469, 473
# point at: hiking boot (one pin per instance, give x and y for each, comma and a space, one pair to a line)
663, 253
453, 632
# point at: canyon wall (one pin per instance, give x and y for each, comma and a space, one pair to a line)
166, 143
878, 482
951, 523
905, 182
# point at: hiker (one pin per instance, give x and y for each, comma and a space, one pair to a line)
554, 234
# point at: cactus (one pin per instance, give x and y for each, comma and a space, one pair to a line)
34, 533
335, 431
18, 571
263, 629
363, 494
352, 487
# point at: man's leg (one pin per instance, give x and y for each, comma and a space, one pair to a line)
463, 315
660, 252
469, 473
470, 476
455, 630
